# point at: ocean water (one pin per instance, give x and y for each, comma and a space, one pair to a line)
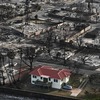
9, 97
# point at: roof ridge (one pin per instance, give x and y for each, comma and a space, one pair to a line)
59, 72
62, 72
39, 71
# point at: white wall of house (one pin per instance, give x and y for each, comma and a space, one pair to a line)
56, 83
65, 80
33, 79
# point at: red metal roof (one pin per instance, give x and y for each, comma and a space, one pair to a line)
51, 72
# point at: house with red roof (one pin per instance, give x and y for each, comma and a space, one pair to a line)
48, 74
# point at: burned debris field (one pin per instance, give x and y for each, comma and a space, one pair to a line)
50, 49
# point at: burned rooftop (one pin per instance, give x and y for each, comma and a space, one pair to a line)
9, 34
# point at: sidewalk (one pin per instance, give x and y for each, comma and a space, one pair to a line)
75, 92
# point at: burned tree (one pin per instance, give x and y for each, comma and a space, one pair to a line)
79, 43
58, 55
62, 42
63, 46
2, 78
49, 41
4, 69
30, 55
1, 71
20, 53
11, 55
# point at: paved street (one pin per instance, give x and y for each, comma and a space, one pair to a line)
81, 71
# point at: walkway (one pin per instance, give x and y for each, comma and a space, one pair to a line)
75, 92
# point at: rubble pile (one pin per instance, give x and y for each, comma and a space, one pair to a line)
10, 35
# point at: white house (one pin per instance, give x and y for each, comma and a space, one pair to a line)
47, 74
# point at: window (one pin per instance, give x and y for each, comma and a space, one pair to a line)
49, 79
34, 76
33, 81
41, 78
55, 80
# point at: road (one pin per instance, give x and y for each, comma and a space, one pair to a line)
82, 71
86, 72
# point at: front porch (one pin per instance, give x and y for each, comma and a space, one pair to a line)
43, 84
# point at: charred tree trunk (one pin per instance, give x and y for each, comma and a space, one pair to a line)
20, 63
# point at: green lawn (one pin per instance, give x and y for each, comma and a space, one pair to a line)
60, 93
75, 80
